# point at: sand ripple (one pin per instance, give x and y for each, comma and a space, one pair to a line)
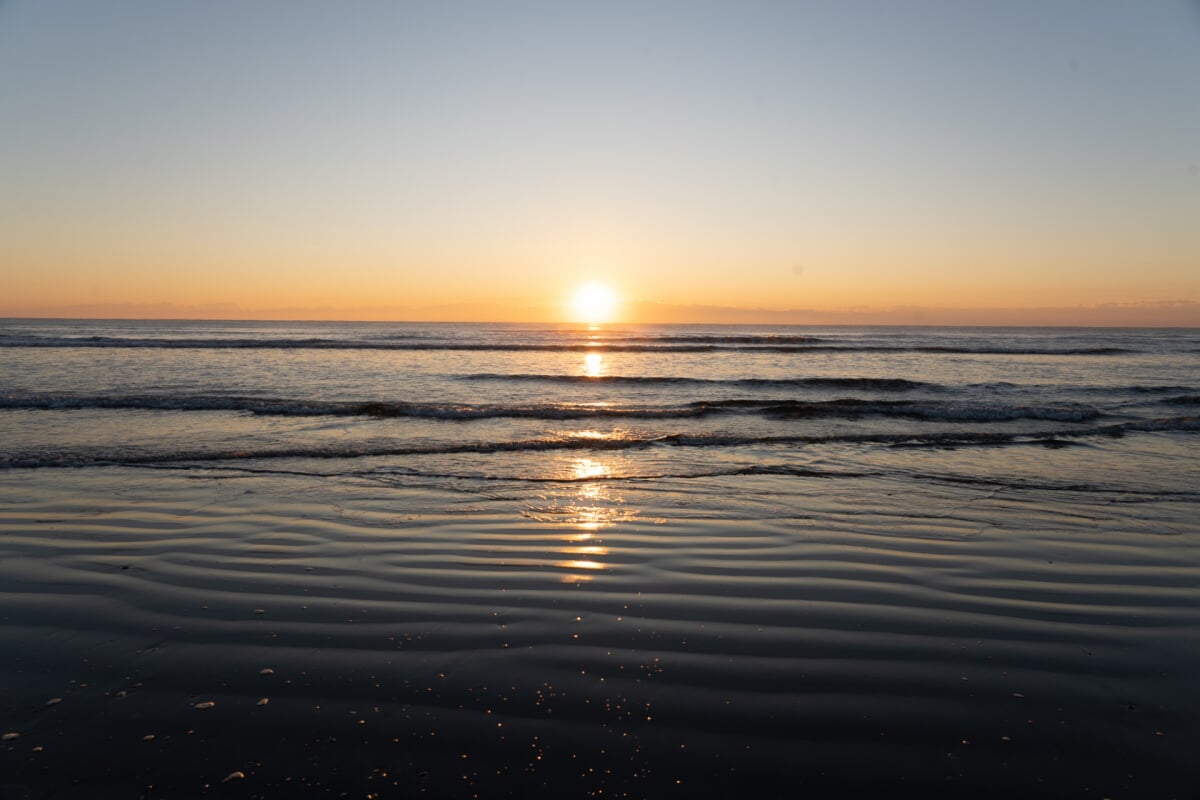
637, 628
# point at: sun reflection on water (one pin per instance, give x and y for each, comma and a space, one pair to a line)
593, 365
585, 468
590, 434
587, 506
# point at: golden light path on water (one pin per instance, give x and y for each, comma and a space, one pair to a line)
585, 508
593, 365
593, 511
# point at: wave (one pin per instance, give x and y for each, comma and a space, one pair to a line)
649, 345
1140, 389
723, 339
617, 338
947, 412
1016, 351
84, 457
867, 384
316, 408
341, 344
888, 385
844, 408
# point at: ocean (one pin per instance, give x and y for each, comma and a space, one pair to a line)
264, 559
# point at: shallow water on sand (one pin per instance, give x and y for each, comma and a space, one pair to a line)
644, 638
276, 560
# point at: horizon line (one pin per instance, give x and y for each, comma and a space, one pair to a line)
1137, 314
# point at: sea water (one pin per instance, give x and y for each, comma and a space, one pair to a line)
469, 559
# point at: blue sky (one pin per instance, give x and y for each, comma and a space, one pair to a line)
760, 154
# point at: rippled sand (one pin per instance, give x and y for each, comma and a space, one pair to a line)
745, 635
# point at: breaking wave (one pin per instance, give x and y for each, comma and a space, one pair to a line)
82, 457
865, 384
845, 408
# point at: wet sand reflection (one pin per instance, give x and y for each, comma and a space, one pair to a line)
589, 508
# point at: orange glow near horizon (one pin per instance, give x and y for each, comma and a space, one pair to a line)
609, 189
841, 294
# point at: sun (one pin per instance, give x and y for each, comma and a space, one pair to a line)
593, 303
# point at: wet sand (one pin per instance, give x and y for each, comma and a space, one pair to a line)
381, 636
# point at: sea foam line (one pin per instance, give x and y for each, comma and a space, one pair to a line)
866, 384
102, 457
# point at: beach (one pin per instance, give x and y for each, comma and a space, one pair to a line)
271, 560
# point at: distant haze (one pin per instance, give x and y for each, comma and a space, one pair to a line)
1168, 314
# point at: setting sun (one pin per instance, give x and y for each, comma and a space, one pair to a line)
593, 303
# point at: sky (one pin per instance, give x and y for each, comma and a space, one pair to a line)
966, 162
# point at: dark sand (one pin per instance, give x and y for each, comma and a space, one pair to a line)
854, 638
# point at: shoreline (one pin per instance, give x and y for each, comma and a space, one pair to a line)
640, 630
